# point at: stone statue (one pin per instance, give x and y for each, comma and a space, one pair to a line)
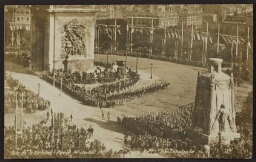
74, 41
222, 118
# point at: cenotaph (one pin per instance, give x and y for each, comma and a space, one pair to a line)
214, 113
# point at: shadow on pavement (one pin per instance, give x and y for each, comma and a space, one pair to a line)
109, 125
10, 66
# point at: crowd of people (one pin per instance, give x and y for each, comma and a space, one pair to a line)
166, 133
26, 99
159, 130
52, 141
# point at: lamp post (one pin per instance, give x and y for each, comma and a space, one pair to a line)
151, 70
137, 63
38, 89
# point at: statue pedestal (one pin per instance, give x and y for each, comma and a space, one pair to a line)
79, 64
213, 138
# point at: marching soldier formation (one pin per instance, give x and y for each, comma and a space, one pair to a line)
106, 95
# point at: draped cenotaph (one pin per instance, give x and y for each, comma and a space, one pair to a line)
214, 113
63, 37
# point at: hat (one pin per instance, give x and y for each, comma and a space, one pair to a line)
222, 106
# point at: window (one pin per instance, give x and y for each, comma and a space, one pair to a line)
27, 12
22, 18
18, 18
18, 12
28, 19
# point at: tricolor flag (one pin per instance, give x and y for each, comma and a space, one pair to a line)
11, 27
151, 31
132, 30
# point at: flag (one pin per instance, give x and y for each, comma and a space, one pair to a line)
198, 37
11, 27
127, 28
173, 35
242, 40
119, 31
169, 36
107, 30
151, 31
249, 45
176, 35
230, 38
132, 30
194, 37
210, 39
235, 42
224, 38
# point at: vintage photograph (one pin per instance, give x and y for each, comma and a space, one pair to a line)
128, 81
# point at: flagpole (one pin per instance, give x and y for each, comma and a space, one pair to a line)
60, 85
203, 51
232, 57
131, 34
54, 78
98, 38
247, 49
152, 28
192, 33
236, 41
16, 119
22, 111
182, 32
115, 34
164, 37
218, 44
127, 40
206, 43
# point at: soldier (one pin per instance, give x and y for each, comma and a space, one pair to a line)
108, 115
102, 113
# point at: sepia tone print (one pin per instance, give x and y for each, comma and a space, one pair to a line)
128, 81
